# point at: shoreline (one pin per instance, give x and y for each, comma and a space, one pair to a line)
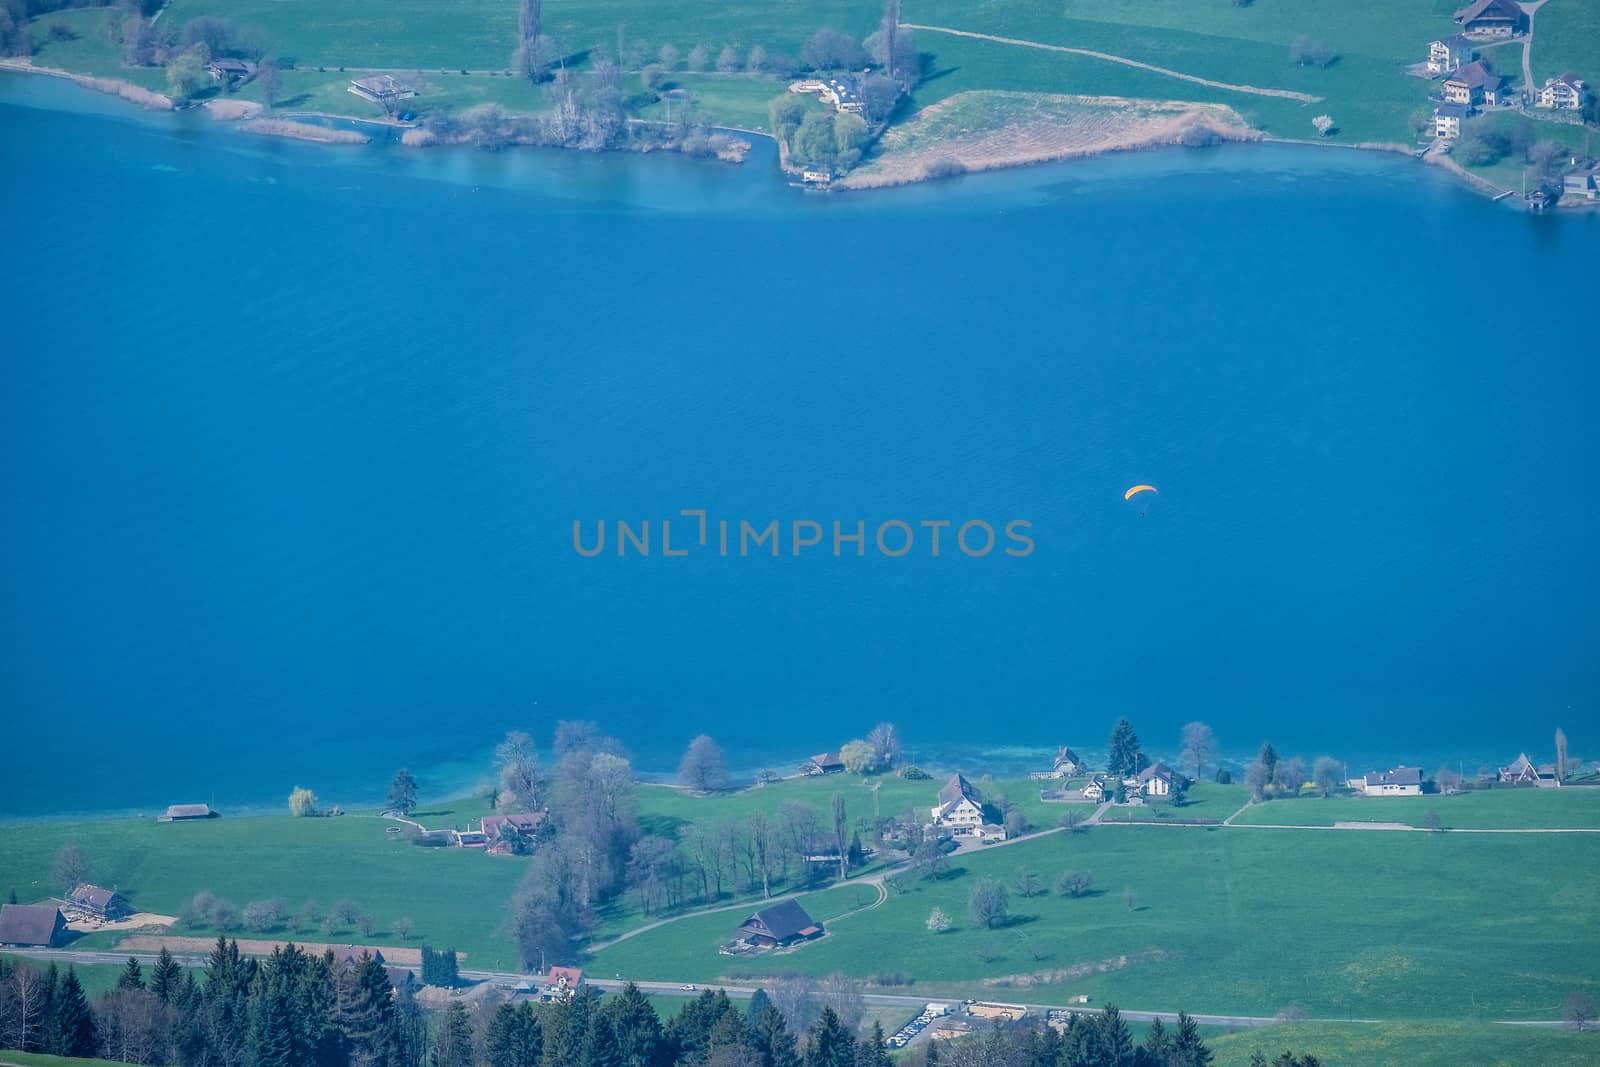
287, 126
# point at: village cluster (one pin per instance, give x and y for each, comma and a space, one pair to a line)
1470, 85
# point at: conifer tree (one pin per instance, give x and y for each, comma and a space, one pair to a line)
132, 976
452, 1043
640, 1040
774, 1043
74, 1022
515, 1039
831, 1044
166, 978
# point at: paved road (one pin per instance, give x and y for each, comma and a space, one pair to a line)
912, 1004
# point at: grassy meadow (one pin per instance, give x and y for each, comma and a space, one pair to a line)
1420, 1044
1495, 809
454, 896
1369, 925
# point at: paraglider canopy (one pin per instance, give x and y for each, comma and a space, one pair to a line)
1136, 490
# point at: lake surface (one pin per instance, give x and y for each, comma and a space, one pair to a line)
295, 438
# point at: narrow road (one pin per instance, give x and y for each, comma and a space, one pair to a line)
912, 1004
1286, 94
1530, 10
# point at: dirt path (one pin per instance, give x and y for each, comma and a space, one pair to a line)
1286, 94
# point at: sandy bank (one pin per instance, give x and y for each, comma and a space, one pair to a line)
985, 130
232, 110
303, 131
126, 90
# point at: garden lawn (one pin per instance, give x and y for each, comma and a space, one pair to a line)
1371, 925
1566, 36
1497, 809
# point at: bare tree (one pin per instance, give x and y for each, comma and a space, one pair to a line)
530, 25
27, 1003
71, 867
989, 903
885, 742
1199, 748
1448, 780
518, 763
795, 996
704, 768
763, 845
842, 993
1561, 755
841, 831
1578, 1011
1073, 883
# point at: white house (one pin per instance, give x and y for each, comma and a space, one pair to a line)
1563, 93
1096, 789
1400, 782
1447, 120
960, 806
1449, 53
1065, 765
1156, 780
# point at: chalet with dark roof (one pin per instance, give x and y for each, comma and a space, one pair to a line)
1065, 765
1157, 780
1491, 18
508, 834
1447, 119
784, 923
822, 763
1474, 84
1565, 92
31, 925
93, 902
187, 812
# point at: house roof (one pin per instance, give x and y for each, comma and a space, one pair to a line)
957, 789
1475, 75
827, 759
570, 977
1452, 111
94, 896
400, 976
526, 822
1398, 776
1156, 770
29, 924
350, 955
782, 921
1495, 10
189, 811
230, 64
1569, 78
1066, 755
1455, 40
1521, 765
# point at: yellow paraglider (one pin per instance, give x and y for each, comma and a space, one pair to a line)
1141, 496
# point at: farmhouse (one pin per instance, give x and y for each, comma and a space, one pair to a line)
1563, 93
1157, 780
1447, 120
1065, 765
382, 89
1491, 18
561, 983
1096, 789
1522, 771
1474, 84
1400, 782
823, 762
960, 805
92, 902
31, 925
228, 71
1449, 54
185, 812
507, 834
401, 979
782, 924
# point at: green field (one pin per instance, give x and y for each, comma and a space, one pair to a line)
1337, 924
97, 978
454, 896
1497, 809
1567, 37
1425, 1044
34, 1059
1204, 800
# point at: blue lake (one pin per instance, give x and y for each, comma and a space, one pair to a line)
295, 438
